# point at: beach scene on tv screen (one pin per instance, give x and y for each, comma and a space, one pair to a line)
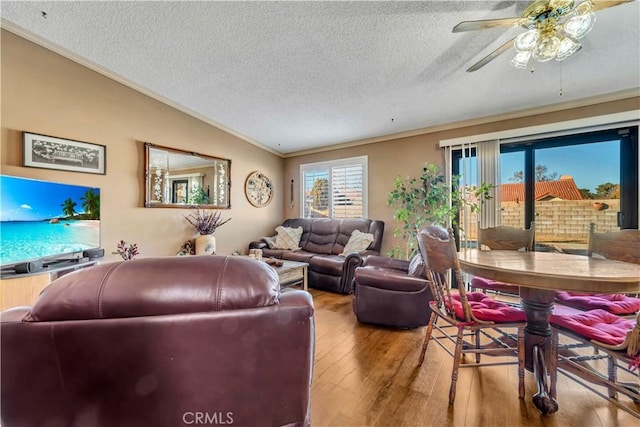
40, 219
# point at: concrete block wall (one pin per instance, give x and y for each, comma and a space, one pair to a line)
558, 220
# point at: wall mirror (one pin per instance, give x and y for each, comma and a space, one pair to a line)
181, 179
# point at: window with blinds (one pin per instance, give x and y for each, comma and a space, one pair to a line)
335, 189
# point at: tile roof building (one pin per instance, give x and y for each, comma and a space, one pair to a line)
565, 189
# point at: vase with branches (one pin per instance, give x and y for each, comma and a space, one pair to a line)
206, 222
421, 201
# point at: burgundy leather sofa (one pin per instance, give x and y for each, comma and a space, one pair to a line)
322, 241
157, 342
392, 292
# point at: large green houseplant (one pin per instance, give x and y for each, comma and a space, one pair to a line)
421, 201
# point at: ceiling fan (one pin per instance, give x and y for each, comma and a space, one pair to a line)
553, 30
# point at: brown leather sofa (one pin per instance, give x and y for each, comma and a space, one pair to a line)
392, 292
157, 342
322, 241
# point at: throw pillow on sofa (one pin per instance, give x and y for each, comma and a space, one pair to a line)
288, 238
358, 242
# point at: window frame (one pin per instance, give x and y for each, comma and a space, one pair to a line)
328, 166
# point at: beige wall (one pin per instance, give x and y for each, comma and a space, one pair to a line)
404, 156
45, 93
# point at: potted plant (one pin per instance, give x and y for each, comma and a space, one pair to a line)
206, 222
418, 202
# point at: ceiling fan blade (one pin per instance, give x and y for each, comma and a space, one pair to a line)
599, 5
483, 25
493, 55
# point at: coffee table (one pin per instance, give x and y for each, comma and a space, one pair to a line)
292, 273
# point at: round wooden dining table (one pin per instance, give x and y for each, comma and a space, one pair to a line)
539, 275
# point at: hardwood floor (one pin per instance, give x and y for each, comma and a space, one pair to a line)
368, 376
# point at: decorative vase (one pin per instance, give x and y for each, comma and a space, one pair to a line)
206, 245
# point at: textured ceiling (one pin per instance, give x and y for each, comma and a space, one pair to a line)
300, 75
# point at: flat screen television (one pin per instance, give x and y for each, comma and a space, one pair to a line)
47, 221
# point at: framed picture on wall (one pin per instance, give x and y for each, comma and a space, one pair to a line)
49, 152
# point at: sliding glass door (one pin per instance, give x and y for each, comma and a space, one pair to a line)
565, 183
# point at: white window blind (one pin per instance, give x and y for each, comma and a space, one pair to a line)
335, 189
488, 154
473, 170
348, 188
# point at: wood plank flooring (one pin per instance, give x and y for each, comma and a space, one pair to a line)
368, 376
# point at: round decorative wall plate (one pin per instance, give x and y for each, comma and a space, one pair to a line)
259, 189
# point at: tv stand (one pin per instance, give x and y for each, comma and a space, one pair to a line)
66, 264
18, 289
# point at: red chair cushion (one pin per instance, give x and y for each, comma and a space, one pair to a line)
613, 303
486, 308
492, 285
599, 325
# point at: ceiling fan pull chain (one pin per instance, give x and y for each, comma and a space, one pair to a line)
561, 76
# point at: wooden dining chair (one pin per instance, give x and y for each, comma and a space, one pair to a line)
472, 321
623, 245
502, 238
615, 338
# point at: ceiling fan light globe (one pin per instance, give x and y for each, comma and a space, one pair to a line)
521, 60
527, 40
567, 47
579, 26
546, 49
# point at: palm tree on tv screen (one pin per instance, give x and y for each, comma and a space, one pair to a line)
68, 207
91, 204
